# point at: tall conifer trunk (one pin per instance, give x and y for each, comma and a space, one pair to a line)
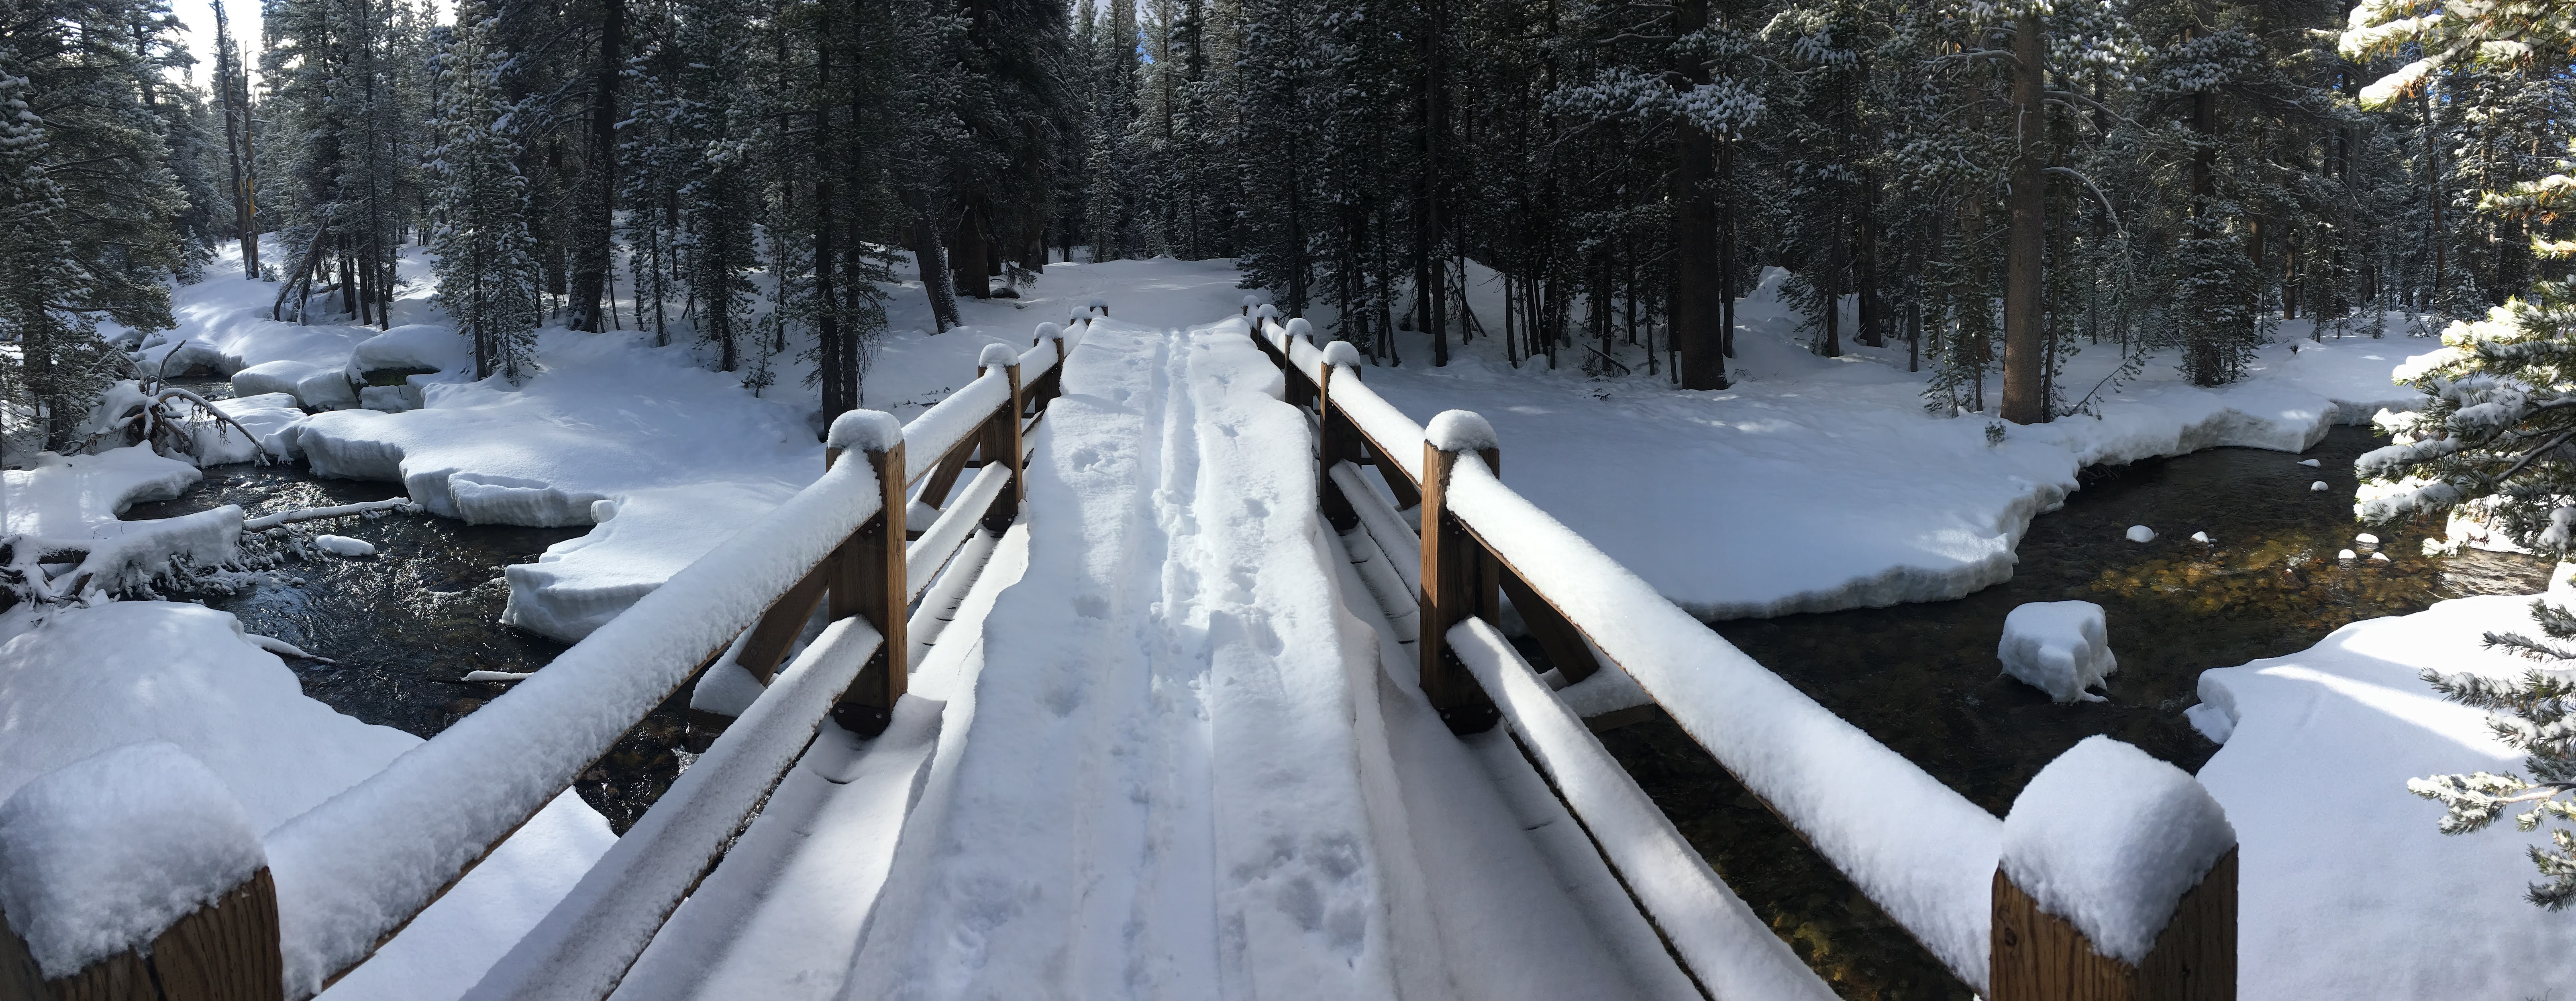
1698, 303
2025, 389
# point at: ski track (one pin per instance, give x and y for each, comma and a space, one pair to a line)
1175, 781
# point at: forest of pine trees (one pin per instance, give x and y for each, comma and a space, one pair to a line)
1987, 185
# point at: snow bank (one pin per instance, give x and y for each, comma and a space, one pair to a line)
267, 415
103, 854
1864, 499
316, 386
2058, 647
2110, 839
68, 497
2346, 889
133, 672
405, 350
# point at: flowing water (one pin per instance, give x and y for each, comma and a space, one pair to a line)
406, 625
1924, 680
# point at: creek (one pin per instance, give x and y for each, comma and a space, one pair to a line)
1924, 679
405, 626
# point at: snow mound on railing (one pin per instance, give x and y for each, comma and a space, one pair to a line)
113, 849
2110, 839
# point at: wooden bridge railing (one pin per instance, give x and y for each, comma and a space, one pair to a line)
345, 877
1938, 864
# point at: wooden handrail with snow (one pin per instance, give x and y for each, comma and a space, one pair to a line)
1924, 853
346, 876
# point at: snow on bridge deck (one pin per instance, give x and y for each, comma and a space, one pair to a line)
1178, 757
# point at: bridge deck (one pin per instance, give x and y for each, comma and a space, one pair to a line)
1171, 748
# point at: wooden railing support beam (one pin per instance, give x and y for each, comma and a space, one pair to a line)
1460, 580
1002, 442
2039, 956
1337, 441
866, 577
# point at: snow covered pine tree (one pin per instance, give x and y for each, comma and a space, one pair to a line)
2496, 433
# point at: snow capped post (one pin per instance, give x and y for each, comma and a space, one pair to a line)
1102, 305
2117, 882
866, 574
1338, 439
1459, 578
1002, 436
130, 868
1051, 384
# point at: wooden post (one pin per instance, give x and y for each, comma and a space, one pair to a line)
1002, 444
2038, 956
224, 951
1334, 445
867, 580
1459, 579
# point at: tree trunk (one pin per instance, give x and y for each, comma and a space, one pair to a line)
932, 256
1873, 320
2025, 392
593, 242
974, 275
1698, 304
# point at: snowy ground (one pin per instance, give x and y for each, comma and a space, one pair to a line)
2347, 890
677, 450
1820, 483
89, 680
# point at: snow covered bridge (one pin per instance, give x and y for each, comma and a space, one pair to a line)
1171, 697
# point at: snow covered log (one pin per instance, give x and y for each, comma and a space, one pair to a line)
131, 868
2117, 880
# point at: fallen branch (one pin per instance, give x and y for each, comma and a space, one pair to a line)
267, 521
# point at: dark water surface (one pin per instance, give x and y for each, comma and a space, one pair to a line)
406, 625
1924, 680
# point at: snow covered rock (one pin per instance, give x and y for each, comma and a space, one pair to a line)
2347, 555
2058, 647
2366, 539
317, 387
103, 854
2110, 839
412, 349
2319, 486
2141, 533
2200, 537
2310, 463
341, 545
2379, 558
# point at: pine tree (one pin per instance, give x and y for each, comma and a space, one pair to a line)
488, 280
